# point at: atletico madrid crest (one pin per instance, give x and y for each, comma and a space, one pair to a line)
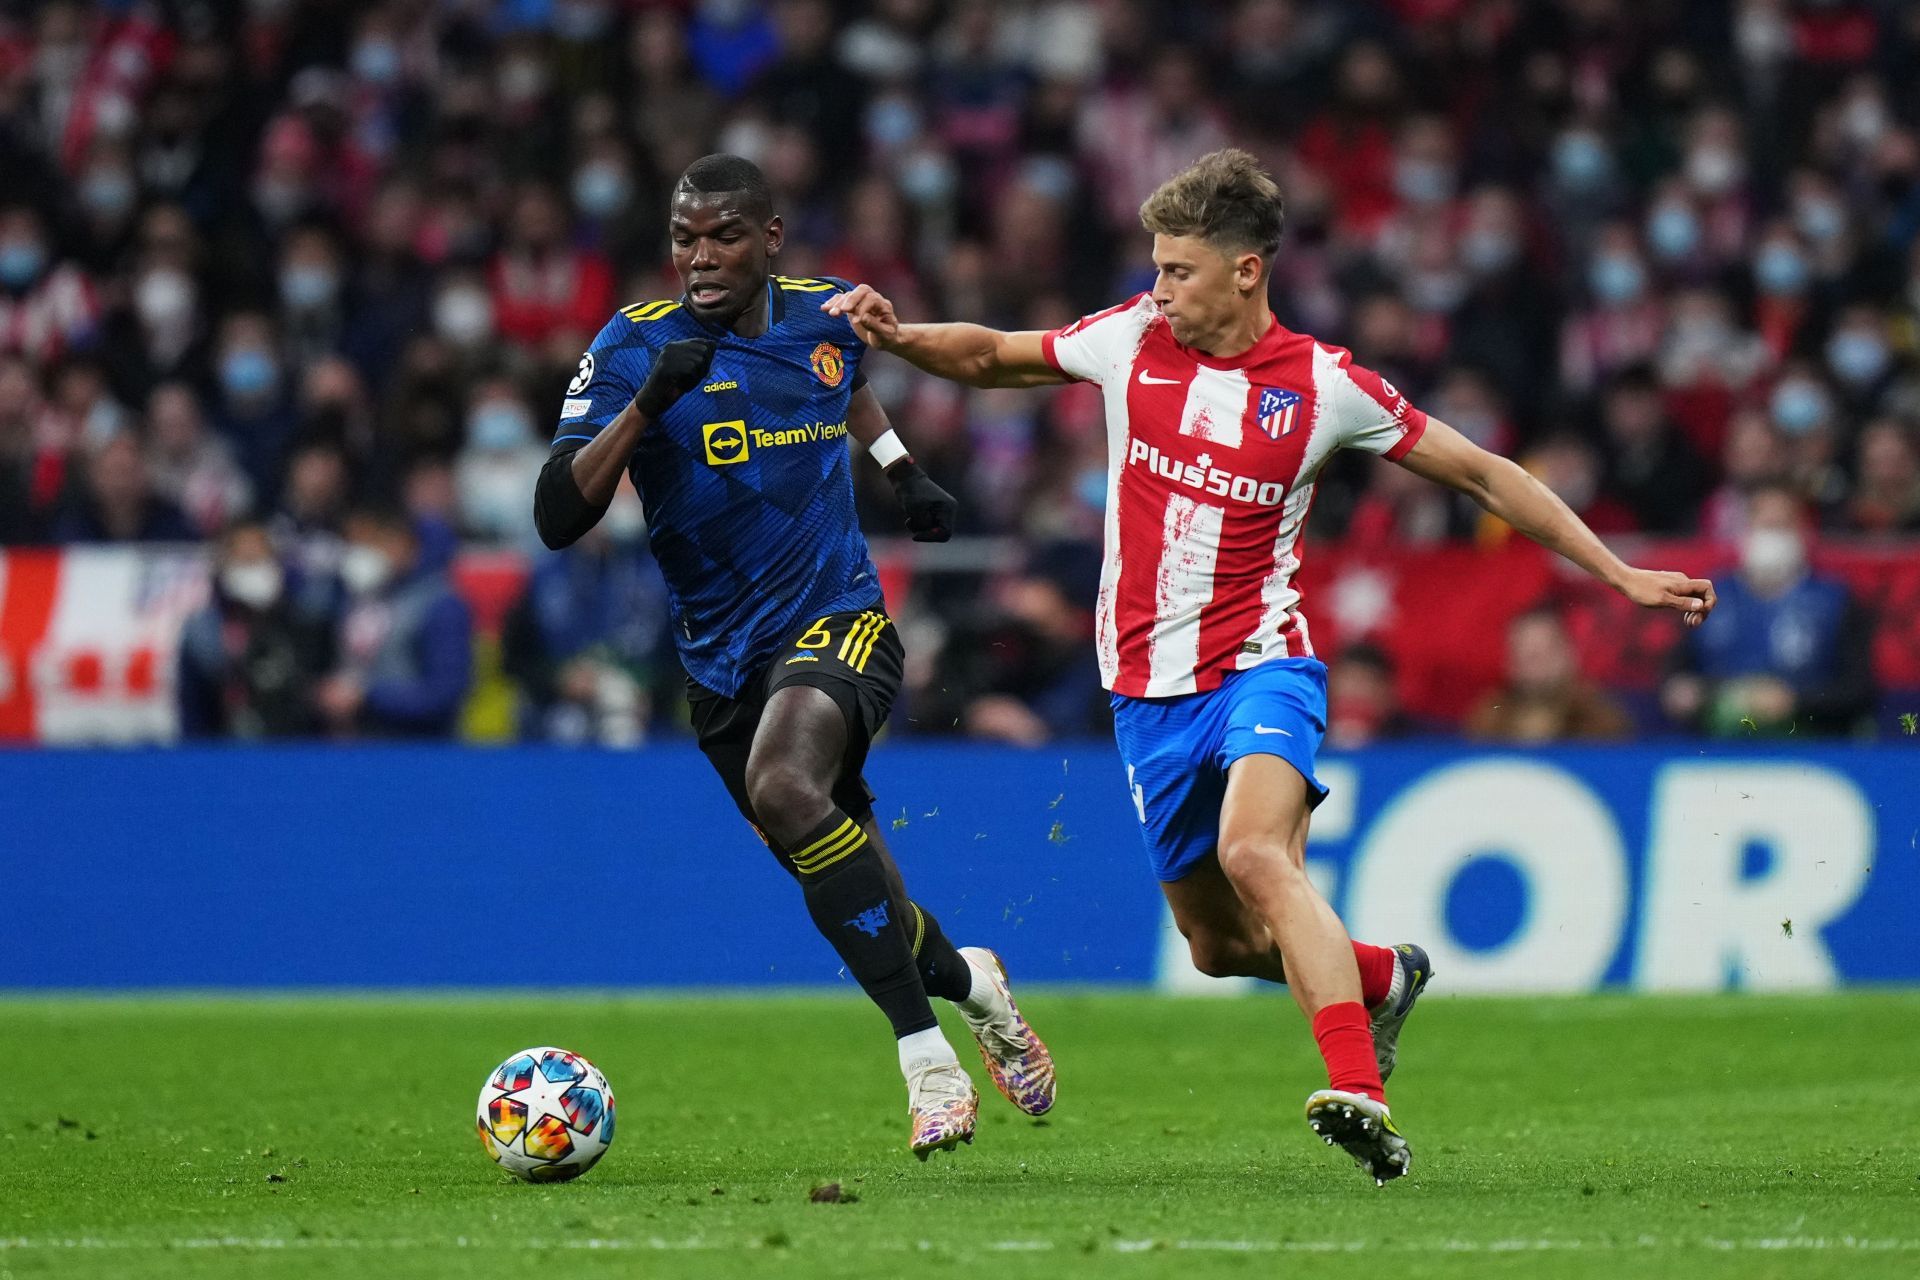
1277, 411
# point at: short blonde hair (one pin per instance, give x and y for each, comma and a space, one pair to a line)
1224, 198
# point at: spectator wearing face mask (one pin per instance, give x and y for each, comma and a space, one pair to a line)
249, 658
1714, 170
1786, 650
312, 296
405, 640
602, 193
1826, 226
47, 308
588, 644
1803, 406
498, 465
1625, 320
1860, 358
1545, 699
1707, 365
1507, 323
1675, 238
1783, 285
159, 335
107, 193
252, 401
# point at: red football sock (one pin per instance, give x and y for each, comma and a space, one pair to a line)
1376, 972
1346, 1042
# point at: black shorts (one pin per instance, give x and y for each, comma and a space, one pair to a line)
854, 657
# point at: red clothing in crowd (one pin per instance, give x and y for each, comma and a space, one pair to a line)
535, 299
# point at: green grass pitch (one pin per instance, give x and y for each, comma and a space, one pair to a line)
1614, 1136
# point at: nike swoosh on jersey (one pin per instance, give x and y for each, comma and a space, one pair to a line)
1261, 728
1148, 380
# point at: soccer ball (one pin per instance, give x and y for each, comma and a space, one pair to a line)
546, 1115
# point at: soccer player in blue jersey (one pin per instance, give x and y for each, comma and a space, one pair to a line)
730, 408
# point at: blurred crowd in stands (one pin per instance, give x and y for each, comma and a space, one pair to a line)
305, 279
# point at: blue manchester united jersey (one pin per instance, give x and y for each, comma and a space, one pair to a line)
747, 479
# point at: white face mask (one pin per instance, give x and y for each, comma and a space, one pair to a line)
364, 569
1714, 169
1773, 557
463, 316
163, 297
255, 584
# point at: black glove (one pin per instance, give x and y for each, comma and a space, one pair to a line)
929, 508
679, 369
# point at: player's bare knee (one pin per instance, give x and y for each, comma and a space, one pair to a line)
1245, 858
788, 800
1259, 865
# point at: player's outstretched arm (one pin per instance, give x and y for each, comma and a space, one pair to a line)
1505, 488
969, 353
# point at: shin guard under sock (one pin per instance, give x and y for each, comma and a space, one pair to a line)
845, 885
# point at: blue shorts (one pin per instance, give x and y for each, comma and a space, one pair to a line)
1177, 751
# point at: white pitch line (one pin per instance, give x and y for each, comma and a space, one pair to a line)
1767, 1244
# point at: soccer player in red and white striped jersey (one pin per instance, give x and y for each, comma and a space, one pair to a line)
1218, 421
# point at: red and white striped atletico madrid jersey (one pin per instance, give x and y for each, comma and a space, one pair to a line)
1210, 473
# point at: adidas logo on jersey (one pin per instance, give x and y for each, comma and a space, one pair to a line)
1207, 478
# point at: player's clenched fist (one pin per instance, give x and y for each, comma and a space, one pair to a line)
929, 508
679, 369
1664, 589
870, 314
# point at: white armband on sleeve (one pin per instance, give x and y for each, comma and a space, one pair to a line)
887, 450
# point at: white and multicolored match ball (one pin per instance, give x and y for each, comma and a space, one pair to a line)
546, 1115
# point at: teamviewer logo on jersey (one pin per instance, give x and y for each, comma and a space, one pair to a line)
1277, 411
726, 442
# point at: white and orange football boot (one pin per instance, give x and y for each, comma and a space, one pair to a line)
1015, 1057
942, 1106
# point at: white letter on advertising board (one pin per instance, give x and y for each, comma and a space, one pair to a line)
1705, 921
1547, 825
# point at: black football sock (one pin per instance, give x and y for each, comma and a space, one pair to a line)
845, 884
943, 970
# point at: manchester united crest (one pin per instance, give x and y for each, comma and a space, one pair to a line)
828, 365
